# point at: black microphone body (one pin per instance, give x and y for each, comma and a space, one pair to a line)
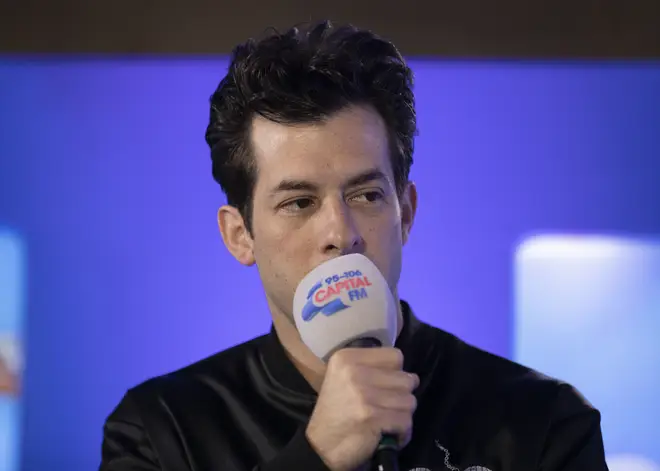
387, 454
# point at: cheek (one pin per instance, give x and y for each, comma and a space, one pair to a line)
269, 232
384, 245
280, 249
384, 231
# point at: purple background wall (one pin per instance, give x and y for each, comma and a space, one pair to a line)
105, 178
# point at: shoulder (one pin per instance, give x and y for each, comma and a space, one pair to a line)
486, 398
486, 378
143, 427
191, 384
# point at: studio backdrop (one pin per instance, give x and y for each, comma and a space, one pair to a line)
537, 236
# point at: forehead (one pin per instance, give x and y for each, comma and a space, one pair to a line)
349, 142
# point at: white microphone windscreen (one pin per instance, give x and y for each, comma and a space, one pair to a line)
342, 300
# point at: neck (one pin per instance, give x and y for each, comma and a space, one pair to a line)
308, 364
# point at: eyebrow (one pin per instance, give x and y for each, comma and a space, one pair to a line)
367, 177
303, 185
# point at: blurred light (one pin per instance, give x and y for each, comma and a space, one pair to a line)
575, 246
631, 463
586, 312
11, 361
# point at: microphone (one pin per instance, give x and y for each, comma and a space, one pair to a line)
346, 302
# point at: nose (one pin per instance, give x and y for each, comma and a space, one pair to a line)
339, 231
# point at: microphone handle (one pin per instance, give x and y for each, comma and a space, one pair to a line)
386, 455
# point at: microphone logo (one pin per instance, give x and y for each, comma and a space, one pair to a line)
325, 296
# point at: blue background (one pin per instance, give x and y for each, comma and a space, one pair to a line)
105, 174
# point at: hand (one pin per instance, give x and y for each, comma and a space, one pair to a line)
364, 394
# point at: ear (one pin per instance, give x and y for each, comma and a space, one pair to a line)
408, 202
235, 235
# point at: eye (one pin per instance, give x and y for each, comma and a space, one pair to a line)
368, 197
297, 205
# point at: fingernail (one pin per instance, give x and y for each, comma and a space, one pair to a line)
416, 379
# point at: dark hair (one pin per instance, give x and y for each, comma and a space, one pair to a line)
305, 76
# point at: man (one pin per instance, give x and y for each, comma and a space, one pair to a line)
311, 136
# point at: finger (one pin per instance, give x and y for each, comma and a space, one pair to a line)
393, 401
375, 378
395, 423
381, 357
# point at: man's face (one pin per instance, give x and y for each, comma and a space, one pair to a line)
325, 190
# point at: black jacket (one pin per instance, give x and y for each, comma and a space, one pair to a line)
245, 409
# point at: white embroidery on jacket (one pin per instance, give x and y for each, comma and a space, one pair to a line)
451, 467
